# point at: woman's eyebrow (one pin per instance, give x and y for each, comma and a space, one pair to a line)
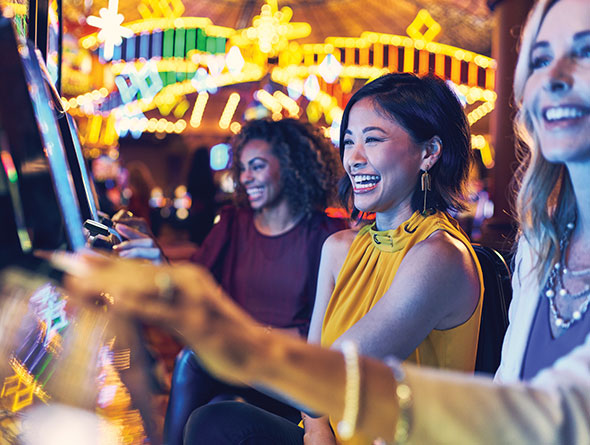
367, 129
257, 158
581, 34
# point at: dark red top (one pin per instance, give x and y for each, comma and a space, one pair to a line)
272, 277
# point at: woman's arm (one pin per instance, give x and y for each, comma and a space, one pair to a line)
334, 253
552, 409
447, 407
521, 311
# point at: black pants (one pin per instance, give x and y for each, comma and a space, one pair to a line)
193, 387
236, 423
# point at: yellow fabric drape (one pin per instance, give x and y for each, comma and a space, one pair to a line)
368, 271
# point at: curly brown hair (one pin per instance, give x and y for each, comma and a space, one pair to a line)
308, 161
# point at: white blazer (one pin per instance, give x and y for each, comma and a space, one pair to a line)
553, 408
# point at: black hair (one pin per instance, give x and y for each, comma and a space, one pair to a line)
425, 107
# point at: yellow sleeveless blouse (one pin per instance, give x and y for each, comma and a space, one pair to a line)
368, 271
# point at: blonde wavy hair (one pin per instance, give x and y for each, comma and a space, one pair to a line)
545, 201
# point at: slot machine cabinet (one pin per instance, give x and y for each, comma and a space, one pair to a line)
10, 245
39, 145
45, 30
28, 120
94, 222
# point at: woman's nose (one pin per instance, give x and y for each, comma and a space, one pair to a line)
357, 157
559, 77
246, 176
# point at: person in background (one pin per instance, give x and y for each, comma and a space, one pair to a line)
542, 389
202, 189
265, 251
140, 184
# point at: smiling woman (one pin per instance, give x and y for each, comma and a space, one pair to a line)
266, 251
560, 124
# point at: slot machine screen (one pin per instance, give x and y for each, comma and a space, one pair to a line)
83, 184
28, 119
9, 242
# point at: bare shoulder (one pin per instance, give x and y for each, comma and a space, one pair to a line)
443, 254
443, 246
451, 270
339, 242
336, 249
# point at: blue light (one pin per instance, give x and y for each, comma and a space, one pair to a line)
130, 49
219, 156
144, 44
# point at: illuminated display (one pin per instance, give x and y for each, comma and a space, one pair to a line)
111, 32
219, 156
193, 58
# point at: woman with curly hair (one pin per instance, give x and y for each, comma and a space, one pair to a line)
265, 251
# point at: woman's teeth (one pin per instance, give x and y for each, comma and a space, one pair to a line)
366, 181
561, 113
254, 192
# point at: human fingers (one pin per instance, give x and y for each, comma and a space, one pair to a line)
109, 280
76, 263
131, 244
147, 305
147, 253
122, 214
130, 232
139, 224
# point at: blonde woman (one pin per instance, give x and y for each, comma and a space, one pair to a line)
544, 390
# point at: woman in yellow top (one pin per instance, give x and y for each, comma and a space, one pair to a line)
409, 285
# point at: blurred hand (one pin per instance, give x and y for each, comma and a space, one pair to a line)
127, 218
138, 244
184, 298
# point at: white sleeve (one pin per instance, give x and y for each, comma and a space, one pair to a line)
554, 408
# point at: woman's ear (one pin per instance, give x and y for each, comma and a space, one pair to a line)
431, 152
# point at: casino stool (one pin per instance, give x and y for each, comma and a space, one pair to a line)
494, 314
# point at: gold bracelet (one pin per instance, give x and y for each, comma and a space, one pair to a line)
404, 400
352, 391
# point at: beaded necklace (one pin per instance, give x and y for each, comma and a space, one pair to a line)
555, 285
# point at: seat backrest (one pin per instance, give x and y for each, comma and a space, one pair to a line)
494, 315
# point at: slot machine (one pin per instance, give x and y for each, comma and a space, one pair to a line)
40, 196
33, 142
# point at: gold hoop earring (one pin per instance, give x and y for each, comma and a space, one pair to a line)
425, 182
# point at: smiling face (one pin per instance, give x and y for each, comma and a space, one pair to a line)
381, 160
260, 174
557, 92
